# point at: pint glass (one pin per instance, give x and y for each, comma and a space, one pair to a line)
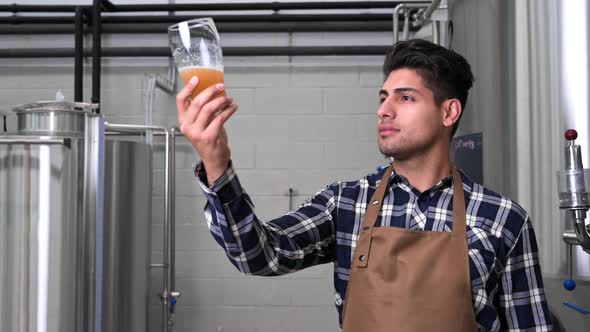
196, 50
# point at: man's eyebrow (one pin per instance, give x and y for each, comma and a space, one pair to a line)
400, 90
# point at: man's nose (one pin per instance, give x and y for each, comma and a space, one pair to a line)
385, 111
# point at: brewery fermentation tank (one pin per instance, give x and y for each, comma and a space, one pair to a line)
75, 223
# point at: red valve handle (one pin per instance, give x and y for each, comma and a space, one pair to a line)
571, 134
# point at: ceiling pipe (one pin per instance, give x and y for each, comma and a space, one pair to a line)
227, 51
221, 27
274, 6
216, 18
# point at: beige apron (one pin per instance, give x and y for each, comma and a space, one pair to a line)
410, 280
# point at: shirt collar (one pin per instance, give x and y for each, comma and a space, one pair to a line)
402, 181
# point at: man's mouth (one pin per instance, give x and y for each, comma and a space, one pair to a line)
385, 130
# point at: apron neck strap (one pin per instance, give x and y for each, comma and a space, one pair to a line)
459, 213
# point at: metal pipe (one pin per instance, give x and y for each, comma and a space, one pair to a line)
172, 216
396, 12
228, 51
223, 27
431, 8
170, 19
570, 260
274, 6
149, 107
38, 29
406, 31
582, 232
395, 31
435, 32
15, 8
174, 293
250, 18
132, 130
78, 56
37, 140
166, 246
96, 52
134, 133
569, 237
168, 83
37, 19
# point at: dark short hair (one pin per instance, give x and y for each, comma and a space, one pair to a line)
445, 72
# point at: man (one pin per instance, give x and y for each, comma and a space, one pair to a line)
416, 247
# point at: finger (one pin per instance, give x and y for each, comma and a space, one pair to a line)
192, 116
209, 111
220, 119
183, 97
206, 96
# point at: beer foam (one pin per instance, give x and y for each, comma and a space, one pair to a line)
220, 68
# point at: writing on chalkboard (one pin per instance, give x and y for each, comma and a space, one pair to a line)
465, 144
467, 154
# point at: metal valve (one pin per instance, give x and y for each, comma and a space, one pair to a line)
573, 196
575, 199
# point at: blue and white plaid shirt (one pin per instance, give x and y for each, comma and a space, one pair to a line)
508, 292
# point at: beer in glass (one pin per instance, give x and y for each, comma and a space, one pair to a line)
196, 50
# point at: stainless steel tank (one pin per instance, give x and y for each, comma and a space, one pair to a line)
74, 224
127, 234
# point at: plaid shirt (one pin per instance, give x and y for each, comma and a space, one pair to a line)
506, 281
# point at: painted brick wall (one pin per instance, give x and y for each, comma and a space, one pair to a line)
286, 135
302, 124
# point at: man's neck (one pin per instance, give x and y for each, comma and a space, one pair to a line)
423, 172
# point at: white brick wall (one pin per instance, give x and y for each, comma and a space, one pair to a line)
303, 123
298, 126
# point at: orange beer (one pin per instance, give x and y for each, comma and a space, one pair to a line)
207, 77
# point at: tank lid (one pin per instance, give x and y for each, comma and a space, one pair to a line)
54, 106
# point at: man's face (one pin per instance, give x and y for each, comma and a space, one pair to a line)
410, 122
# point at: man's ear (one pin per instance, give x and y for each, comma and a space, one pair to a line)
451, 111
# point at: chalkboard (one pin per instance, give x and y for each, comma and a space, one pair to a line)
467, 154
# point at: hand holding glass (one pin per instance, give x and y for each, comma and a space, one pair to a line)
196, 50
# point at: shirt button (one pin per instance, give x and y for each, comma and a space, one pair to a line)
362, 258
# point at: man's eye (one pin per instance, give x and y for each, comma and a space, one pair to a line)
382, 100
407, 98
